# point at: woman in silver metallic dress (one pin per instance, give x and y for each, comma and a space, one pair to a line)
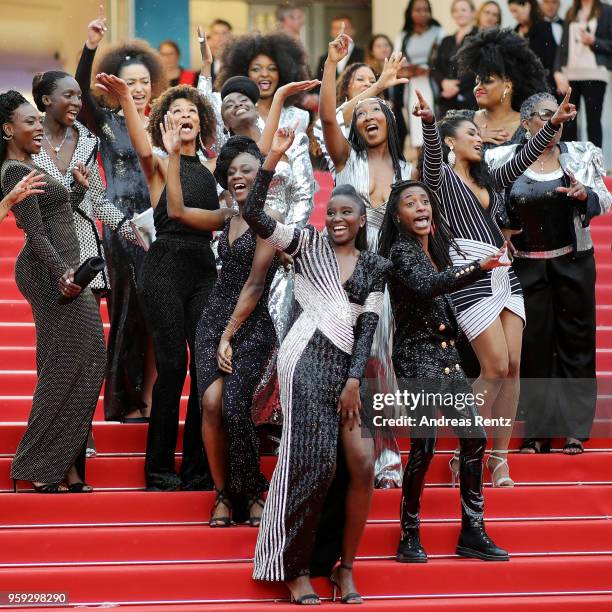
370, 160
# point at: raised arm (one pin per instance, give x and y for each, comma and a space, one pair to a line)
433, 167
302, 186
506, 174
247, 300
197, 218
337, 145
27, 214
90, 112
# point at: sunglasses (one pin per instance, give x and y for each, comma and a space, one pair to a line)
545, 114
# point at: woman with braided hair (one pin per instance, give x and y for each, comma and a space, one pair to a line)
70, 348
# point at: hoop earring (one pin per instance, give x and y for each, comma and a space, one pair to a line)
201, 143
7, 137
452, 158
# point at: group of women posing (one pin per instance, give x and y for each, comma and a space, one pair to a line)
402, 267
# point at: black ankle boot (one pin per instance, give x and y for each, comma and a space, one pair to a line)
410, 549
476, 544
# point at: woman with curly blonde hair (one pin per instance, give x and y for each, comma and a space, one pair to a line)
178, 271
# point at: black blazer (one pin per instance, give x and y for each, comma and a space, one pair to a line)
424, 314
603, 41
542, 42
358, 55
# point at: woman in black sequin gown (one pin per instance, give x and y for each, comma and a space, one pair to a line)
130, 372
425, 357
339, 292
177, 276
234, 342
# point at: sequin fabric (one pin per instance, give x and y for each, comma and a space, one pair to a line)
321, 350
70, 349
252, 346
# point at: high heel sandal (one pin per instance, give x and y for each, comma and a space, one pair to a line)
221, 521
254, 521
500, 481
53, 487
309, 599
454, 464
349, 598
80, 487
537, 446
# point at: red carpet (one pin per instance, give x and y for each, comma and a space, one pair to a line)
153, 551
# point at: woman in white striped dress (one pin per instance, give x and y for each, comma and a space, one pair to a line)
490, 312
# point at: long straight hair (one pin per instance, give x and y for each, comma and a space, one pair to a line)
440, 237
572, 13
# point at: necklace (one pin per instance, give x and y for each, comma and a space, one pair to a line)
61, 144
544, 158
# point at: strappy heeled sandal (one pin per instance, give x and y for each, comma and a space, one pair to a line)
80, 487
454, 464
537, 446
254, 521
47, 488
221, 521
573, 448
349, 598
499, 481
309, 599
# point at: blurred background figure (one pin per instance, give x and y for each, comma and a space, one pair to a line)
176, 74
454, 92
219, 34
380, 48
550, 12
489, 15
355, 53
290, 18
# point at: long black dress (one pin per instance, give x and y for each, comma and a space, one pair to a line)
252, 346
328, 342
424, 354
177, 276
126, 188
70, 349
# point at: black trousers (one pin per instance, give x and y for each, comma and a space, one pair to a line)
176, 280
558, 345
593, 93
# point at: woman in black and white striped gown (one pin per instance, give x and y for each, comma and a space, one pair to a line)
339, 289
491, 311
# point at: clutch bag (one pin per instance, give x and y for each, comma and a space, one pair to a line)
85, 273
144, 228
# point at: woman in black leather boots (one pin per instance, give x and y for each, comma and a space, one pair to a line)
424, 351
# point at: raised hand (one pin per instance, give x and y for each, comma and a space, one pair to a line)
282, 141
81, 175
291, 89
27, 186
566, 111
422, 109
96, 29
207, 56
112, 85
338, 48
497, 260
171, 135
388, 76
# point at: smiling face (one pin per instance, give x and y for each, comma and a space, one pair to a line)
362, 79
489, 91
462, 13
543, 112
138, 80
238, 110
185, 113
264, 71
371, 122
25, 128
414, 211
489, 16
466, 142
520, 12
64, 102
381, 49
343, 219
241, 175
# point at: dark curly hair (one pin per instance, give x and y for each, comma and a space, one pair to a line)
44, 84
208, 123
134, 51
287, 53
505, 54
344, 80
236, 145
440, 238
395, 150
9, 103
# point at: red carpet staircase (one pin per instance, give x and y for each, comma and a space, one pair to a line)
143, 551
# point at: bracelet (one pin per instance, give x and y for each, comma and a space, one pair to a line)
231, 328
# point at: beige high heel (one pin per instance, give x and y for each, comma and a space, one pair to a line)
499, 481
454, 464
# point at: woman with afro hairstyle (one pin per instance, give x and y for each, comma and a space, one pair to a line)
178, 271
131, 365
507, 72
490, 312
271, 61
370, 160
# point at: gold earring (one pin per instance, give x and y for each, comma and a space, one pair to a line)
504, 95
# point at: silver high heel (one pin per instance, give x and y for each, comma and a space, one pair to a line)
502, 481
454, 464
